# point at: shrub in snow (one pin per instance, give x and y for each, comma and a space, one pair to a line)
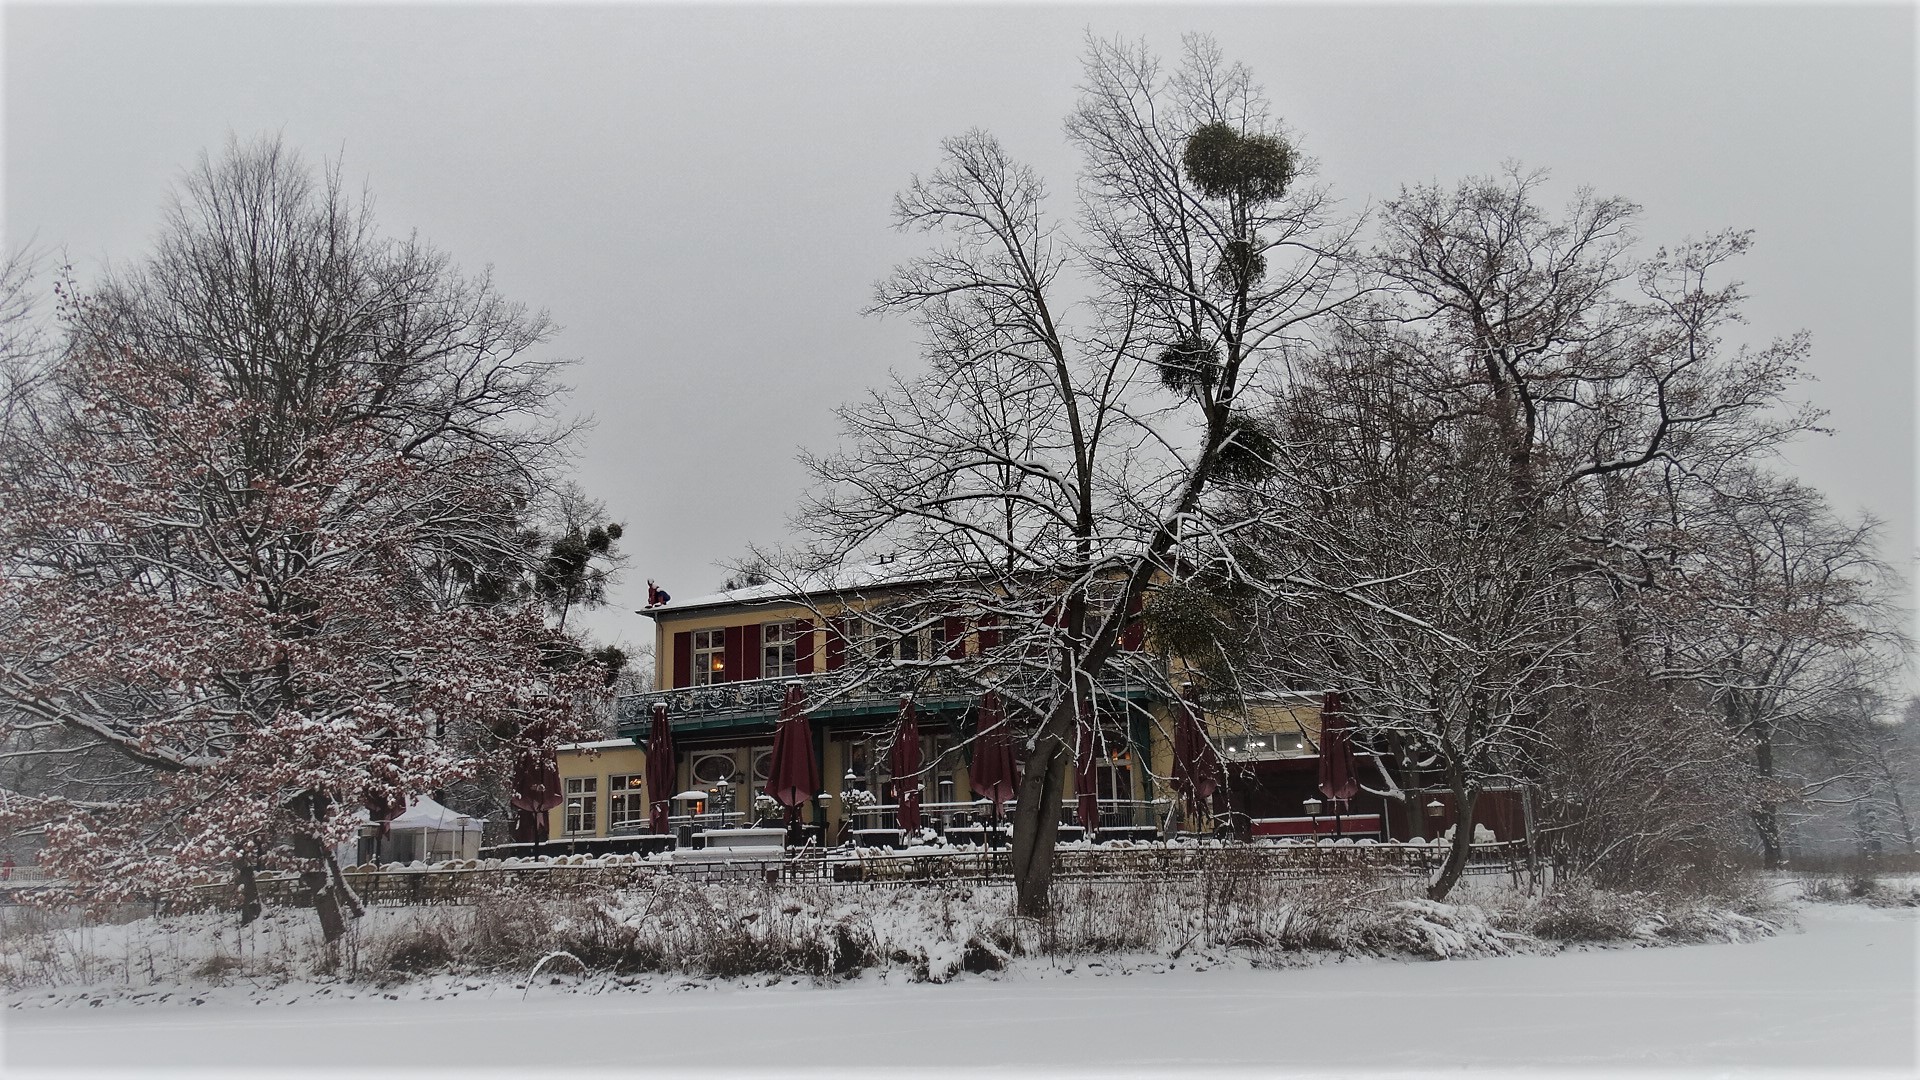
1444, 931
745, 929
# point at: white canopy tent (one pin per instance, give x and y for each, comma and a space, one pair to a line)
427, 832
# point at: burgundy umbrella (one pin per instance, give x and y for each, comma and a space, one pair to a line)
1085, 772
1196, 768
992, 773
904, 762
1338, 779
660, 771
793, 776
382, 810
536, 790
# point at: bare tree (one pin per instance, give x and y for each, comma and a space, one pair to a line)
244, 514
1786, 614
1467, 449
1083, 387
1438, 612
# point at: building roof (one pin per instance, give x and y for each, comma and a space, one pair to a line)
840, 580
602, 744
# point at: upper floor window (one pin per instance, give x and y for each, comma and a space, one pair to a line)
709, 657
779, 650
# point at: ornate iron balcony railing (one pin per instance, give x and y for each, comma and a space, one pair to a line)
830, 693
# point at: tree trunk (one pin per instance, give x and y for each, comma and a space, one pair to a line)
1456, 864
1036, 822
1766, 820
249, 892
1906, 820
326, 904
347, 898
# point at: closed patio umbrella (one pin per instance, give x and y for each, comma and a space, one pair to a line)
992, 773
660, 772
1196, 768
793, 775
1339, 779
536, 790
1085, 772
904, 762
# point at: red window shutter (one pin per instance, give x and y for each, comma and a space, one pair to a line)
1134, 634
955, 632
683, 658
803, 646
836, 644
735, 664
750, 651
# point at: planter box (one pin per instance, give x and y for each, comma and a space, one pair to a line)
743, 839
747, 863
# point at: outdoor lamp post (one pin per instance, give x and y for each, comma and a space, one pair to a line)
1312, 806
722, 800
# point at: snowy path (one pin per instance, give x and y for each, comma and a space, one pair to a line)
1840, 994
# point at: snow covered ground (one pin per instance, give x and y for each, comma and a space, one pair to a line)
1839, 994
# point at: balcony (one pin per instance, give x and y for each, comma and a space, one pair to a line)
830, 695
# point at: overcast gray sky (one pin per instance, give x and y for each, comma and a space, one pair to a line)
699, 195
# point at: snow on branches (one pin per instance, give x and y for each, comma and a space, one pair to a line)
241, 519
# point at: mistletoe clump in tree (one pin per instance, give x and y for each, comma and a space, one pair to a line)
246, 513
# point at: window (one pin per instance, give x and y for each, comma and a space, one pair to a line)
762, 765
712, 768
583, 804
868, 640
1115, 779
910, 647
779, 650
626, 803
709, 657
1270, 745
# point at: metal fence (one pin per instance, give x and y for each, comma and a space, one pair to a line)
1147, 862
1144, 862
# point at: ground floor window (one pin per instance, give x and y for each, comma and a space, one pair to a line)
626, 802
583, 804
710, 769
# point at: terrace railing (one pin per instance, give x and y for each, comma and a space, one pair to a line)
1114, 814
830, 690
